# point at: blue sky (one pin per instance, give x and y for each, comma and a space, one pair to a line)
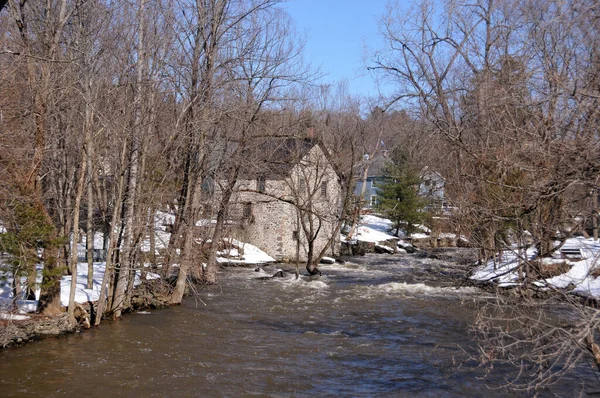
337, 32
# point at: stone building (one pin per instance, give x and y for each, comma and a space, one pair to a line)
289, 196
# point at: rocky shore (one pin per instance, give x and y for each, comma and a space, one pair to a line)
17, 331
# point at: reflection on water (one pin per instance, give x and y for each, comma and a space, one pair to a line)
370, 329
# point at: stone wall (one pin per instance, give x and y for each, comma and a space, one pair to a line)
432, 242
273, 220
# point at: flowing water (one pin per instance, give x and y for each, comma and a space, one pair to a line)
374, 327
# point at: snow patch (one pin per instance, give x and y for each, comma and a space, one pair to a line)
373, 229
577, 278
252, 254
386, 249
13, 317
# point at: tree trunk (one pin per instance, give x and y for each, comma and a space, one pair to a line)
73, 262
112, 245
152, 236
89, 242
186, 259
125, 270
210, 274
310, 262
595, 214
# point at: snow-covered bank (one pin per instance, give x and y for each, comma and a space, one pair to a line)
82, 294
581, 277
242, 253
373, 229
374, 233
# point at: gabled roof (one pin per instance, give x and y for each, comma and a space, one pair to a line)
377, 164
274, 158
428, 174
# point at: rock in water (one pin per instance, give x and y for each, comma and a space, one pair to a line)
383, 249
279, 274
327, 260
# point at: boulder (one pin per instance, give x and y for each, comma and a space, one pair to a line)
346, 249
391, 243
424, 243
327, 260
361, 248
407, 247
279, 274
381, 249
82, 316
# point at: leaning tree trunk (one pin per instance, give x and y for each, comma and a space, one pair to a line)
210, 274
188, 243
112, 243
125, 256
152, 235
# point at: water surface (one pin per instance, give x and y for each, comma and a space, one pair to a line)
376, 327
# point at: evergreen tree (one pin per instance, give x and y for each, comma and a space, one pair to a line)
397, 197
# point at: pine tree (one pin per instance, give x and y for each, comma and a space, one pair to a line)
397, 197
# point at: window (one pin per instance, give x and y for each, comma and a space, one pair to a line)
301, 186
247, 212
324, 188
294, 235
261, 184
373, 201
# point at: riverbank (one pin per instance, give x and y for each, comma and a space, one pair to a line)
21, 330
20, 324
442, 267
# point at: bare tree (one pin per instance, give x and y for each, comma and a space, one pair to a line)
268, 64
234, 64
126, 258
39, 40
511, 86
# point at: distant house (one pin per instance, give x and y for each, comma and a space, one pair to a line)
371, 175
432, 188
290, 189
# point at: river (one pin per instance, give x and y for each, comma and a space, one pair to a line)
376, 326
